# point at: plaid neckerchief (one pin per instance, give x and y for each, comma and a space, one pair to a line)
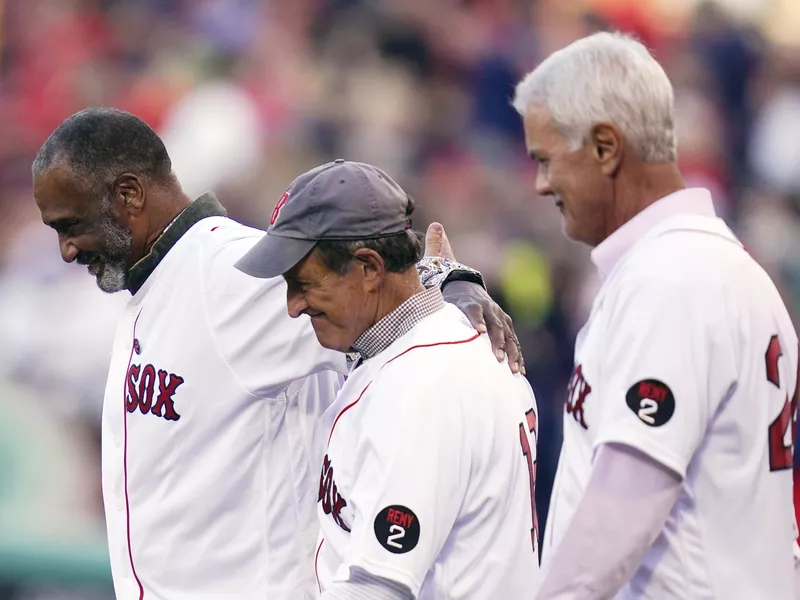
397, 323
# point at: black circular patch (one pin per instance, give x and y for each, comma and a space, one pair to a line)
652, 401
397, 529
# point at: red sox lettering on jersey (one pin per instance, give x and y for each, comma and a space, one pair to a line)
577, 391
329, 497
141, 387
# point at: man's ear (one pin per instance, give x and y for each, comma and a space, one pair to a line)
608, 147
372, 265
129, 194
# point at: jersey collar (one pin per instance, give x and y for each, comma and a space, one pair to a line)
398, 322
205, 206
691, 201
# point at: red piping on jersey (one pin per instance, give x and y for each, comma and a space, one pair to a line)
125, 459
345, 409
406, 351
474, 337
316, 561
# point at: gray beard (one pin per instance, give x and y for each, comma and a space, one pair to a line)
114, 276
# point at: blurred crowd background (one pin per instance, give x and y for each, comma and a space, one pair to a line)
249, 93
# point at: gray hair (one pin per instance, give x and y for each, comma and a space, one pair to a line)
399, 252
605, 78
99, 144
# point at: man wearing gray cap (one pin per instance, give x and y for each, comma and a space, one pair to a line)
426, 487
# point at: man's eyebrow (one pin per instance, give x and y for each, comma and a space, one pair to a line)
62, 223
534, 153
290, 277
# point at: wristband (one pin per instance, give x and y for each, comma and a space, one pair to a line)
435, 270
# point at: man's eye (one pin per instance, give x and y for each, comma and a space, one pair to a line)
67, 228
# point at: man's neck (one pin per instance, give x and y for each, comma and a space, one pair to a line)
164, 218
648, 185
391, 320
402, 286
172, 230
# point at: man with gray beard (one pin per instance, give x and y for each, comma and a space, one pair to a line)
110, 268
211, 411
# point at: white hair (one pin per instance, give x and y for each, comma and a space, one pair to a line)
605, 78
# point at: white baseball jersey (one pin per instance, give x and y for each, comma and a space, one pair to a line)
213, 400
429, 473
690, 357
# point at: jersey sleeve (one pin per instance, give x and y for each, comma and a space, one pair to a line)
413, 469
261, 343
654, 374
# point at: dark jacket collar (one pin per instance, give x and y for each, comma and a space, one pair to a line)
205, 206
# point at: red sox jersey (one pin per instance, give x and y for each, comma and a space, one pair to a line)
209, 429
690, 357
429, 471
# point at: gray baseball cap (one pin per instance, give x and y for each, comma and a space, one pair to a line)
341, 200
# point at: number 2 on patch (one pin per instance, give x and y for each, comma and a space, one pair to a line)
647, 408
530, 418
396, 533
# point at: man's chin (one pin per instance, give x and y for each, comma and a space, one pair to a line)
570, 230
327, 338
331, 344
112, 279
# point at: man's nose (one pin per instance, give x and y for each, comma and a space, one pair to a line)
68, 250
543, 183
296, 303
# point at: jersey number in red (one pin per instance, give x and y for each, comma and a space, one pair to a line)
530, 417
780, 453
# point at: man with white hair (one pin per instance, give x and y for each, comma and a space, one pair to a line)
675, 478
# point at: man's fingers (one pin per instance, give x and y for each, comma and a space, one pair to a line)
487, 317
437, 243
474, 313
513, 348
497, 335
446, 250
434, 240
